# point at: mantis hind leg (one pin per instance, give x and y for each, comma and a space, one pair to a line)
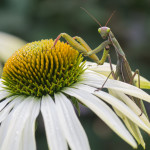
140, 103
137, 72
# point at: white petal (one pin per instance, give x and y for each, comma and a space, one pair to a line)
71, 126
1, 83
4, 94
117, 104
4, 103
3, 91
104, 112
4, 113
14, 125
55, 137
89, 73
103, 69
28, 142
96, 80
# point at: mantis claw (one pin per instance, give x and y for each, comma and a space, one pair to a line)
100, 63
88, 53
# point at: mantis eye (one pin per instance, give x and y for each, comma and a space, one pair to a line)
108, 30
99, 30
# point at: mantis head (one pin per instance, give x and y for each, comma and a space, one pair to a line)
104, 32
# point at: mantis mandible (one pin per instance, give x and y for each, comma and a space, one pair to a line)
123, 69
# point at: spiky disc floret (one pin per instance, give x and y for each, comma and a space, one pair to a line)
37, 70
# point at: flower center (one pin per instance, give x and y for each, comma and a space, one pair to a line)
37, 69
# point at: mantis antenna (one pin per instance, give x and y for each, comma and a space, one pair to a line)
92, 16
110, 17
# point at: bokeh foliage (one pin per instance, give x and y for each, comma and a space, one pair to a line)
41, 19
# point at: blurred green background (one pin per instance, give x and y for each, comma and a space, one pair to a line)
41, 19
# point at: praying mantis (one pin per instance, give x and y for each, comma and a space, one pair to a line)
123, 70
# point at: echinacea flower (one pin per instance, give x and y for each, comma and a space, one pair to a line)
38, 78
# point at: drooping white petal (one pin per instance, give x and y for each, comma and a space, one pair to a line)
132, 105
12, 127
117, 104
4, 113
28, 142
132, 127
71, 126
135, 131
103, 111
55, 137
97, 80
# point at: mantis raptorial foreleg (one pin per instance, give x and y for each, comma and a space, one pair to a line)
104, 56
71, 41
84, 48
87, 47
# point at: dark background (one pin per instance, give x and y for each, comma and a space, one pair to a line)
41, 19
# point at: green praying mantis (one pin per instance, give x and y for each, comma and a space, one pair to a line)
123, 70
